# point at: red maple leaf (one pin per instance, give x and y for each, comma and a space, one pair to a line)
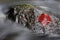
44, 19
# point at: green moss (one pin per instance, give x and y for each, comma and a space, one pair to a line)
25, 6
